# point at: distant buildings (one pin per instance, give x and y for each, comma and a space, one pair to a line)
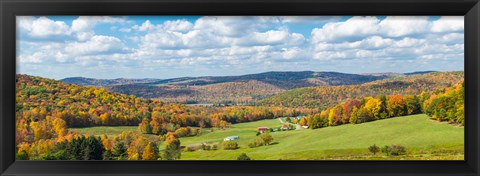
231, 138
284, 127
262, 129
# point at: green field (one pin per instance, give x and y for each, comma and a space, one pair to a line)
423, 138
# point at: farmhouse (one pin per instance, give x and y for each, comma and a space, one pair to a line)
285, 127
231, 138
262, 129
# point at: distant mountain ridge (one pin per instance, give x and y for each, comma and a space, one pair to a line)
419, 72
243, 89
105, 82
287, 79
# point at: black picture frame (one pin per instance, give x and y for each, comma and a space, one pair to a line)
470, 9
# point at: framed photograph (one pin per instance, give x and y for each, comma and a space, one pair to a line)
235, 87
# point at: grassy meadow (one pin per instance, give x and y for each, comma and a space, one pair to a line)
424, 139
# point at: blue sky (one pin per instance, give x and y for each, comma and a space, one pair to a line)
176, 46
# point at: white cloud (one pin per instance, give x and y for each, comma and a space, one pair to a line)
83, 26
87, 23
43, 27
339, 31
293, 53
396, 26
308, 19
25, 22
409, 42
33, 58
231, 26
271, 37
178, 25
96, 45
448, 24
356, 28
451, 38
146, 26
171, 26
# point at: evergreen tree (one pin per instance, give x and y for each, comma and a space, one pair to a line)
243, 156
120, 151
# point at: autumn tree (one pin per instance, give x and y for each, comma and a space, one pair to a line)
335, 116
145, 127
412, 104
303, 121
136, 147
150, 152
267, 138
59, 126
373, 106
396, 106
172, 149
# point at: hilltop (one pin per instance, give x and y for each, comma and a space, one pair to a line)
243, 89
326, 96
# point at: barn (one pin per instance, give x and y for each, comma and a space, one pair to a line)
262, 129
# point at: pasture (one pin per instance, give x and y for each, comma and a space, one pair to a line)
423, 138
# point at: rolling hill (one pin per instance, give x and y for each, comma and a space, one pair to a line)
326, 96
229, 92
105, 82
438, 140
243, 89
285, 80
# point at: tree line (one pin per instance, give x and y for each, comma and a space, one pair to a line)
443, 105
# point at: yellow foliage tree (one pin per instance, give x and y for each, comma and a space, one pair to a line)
59, 126
38, 132
150, 152
373, 106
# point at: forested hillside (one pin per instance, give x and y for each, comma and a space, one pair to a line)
46, 108
326, 96
246, 92
285, 80
244, 89
106, 82
39, 98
